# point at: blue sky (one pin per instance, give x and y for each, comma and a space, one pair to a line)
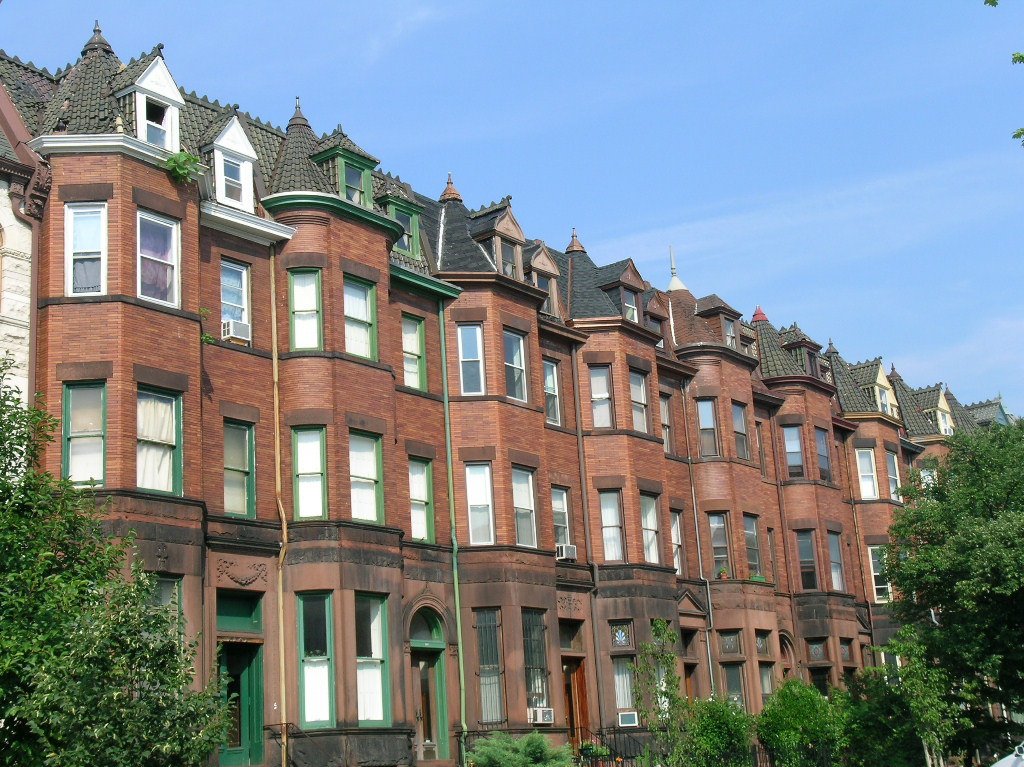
847, 165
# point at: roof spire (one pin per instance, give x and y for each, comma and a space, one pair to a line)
759, 315
97, 42
675, 283
298, 118
450, 193
575, 246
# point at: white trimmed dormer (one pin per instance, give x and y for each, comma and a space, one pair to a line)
158, 106
233, 158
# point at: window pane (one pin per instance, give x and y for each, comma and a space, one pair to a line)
471, 357
85, 459
478, 496
304, 291
611, 522
308, 450
535, 658
560, 513
835, 553
314, 627
623, 671
157, 259
515, 366
236, 446
600, 394
522, 500
316, 689
86, 409
490, 664
649, 523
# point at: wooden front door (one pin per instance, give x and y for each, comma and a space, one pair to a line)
242, 684
427, 672
577, 716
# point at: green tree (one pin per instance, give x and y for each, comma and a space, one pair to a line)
686, 733
801, 728
90, 672
500, 749
957, 567
880, 723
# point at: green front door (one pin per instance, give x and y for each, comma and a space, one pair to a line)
241, 673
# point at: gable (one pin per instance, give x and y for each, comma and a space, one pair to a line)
157, 81
234, 139
508, 226
943, 404
542, 262
688, 604
656, 308
631, 278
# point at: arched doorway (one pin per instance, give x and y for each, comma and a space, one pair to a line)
429, 695
788, 656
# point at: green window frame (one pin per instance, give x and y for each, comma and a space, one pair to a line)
414, 357
154, 438
373, 687
360, 318
409, 242
308, 474
366, 477
239, 469
167, 593
355, 182
316, 660
239, 611
84, 420
305, 316
421, 499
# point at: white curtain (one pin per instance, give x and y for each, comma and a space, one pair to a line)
600, 395
623, 667
866, 466
156, 442
649, 515
611, 523
316, 689
310, 473
522, 500
370, 671
560, 513
305, 318
418, 499
478, 496
357, 324
85, 459
362, 452
412, 352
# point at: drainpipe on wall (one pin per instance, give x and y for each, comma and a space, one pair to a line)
709, 628
455, 538
868, 584
280, 508
785, 533
585, 498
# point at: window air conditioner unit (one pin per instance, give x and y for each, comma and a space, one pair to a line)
541, 715
232, 330
628, 719
566, 552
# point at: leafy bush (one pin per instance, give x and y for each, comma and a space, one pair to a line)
500, 749
879, 722
718, 734
801, 728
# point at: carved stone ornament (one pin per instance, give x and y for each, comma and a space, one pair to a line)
257, 571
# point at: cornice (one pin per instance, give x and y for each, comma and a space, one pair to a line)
105, 143
223, 218
424, 283
332, 203
685, 351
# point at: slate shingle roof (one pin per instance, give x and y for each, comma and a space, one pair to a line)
866, 373
852, 398
713, 302
989, 412
338, 138
83, 102
793, 333
962, 418
30, 88
775, 361
917, 423
6, 150
294, 171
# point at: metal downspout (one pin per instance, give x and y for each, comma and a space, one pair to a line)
455, 538
280, 508
696, 531
585, 498
785, 533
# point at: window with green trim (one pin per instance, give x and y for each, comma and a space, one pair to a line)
360, 318
85, 433
421, 499
309, 459
409, 242
414, 361
365, 473
373, 691
158, 445
239, 477
356, 179
304, 306
316, 660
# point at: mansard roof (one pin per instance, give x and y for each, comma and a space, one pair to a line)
918, 424
793, 334
775, 360
338, 139
295, 171
962, 418
852, 398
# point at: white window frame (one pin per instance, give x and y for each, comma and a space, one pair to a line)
169, 125
525, 508
560, 514
71, 209
665, 410
175, 263
630, 309
483, 495
892, 465
221, 158
519, 343
638, 400
414, 353
601, 399
882, 590
730, 333
612, 526
551, 393
650, 528
676, 530
945, 423
835, 561
477, 331
244, 269
866, 459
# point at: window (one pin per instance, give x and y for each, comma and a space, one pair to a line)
239, 478
611, 525
535, 658
309, 458
794, 451
158, 253
552, 405
231, 174
732, 674
360, 318
866, 469
677, 541
560, 513
523, 501
945, 424
234, 292
515, 366
367, 491
414, 368
471, 358
730, 642
488, 644
478, 497
761, 456
304, 300
421, 499
372, 688
892, 466
601, 396
638, 399
730, 333
85, 249
355, 184
316, 660
753, 542
622, 669
762, 642
767, 671
824, 457
548, 285
649, 525
739, 428
883, 400
805, 553
928, 477
570, 635
719, 543
158, 450
706, 427
665, 404
410, 240
629, 306
84, 433
157, 123
507, 252
883, 592
835, 560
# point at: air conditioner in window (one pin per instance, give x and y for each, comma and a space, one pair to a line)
628, 719
541, 715
565, 552
232, 330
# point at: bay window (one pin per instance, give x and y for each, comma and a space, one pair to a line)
372, 687
158, 447
158, 257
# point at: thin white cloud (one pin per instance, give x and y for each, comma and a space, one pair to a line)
400, 24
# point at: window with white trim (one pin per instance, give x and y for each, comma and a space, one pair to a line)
649, 526
157, 119
601, 396
481, 509
866, 470
372, 687
525, 507
560, 514
665, 405
234, 292
638, 399
159, 254
471, 359
515, 365
883, 591
234, 185
611, 525
835, 559
893, 468
630, 305
719, 543
677, 541
552, 403
707, 428
85, 249
739, 430
793, 440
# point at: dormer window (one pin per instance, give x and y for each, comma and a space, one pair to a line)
812, 364
232, 180
629, 305
233, 161
945, 423
158, 104
354, 184
730, 333
156, 123
409, 242
546, 284
883, 400
509, 267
